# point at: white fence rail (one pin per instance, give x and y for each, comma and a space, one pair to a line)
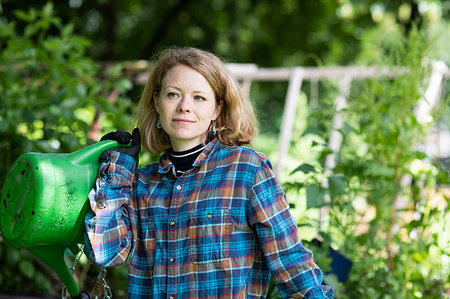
345, 74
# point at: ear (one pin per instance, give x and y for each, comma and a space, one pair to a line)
218, 109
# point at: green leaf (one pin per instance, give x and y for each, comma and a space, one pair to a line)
44, 283
418, 155
67, 30
315, 197
124, 84
325, 153
81, 90
336, 185
26, 268
24, 16
31, 29
305, 168
47, 11
310, 130
70, 103
347, 128
378, 169
12, 255
7, 30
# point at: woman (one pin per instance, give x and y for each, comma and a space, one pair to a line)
210, 219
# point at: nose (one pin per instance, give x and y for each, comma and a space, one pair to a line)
184, 105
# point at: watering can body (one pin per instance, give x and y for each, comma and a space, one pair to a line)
44, 201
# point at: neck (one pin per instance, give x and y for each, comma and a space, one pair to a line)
185, 145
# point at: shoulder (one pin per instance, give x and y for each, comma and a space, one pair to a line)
242, 154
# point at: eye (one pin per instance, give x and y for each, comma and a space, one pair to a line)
172, 95
199, 98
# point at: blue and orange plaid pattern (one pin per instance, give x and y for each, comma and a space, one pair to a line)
218, 231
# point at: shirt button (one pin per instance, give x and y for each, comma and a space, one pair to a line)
172, 223
171, 259
171, 297
209, 216
178, 187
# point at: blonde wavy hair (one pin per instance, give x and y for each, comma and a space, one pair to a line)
236, 124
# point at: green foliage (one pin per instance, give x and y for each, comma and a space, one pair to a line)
388, 228
50, 92
21, 272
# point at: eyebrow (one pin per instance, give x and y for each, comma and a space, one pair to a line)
194, 91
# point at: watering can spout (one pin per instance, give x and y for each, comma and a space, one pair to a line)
44, 201
53, 256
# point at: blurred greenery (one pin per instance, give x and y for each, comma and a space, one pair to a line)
62, 85
50, 93
395, 233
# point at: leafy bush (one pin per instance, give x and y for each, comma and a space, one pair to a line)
50, 93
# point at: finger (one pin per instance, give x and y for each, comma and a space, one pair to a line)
109, 136
123, 137
136, 137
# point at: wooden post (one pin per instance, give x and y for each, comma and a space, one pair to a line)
290, 108
334, 143
426, 104
335, 140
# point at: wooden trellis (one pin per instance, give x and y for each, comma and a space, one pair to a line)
345, 75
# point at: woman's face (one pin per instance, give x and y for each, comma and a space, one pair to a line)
186, 106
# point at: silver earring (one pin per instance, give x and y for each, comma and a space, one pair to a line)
158, 124
213, 129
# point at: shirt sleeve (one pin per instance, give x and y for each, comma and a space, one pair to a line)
109, 232
291, 264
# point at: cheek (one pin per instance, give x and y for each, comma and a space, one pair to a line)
208, 114
163, 108
215, 113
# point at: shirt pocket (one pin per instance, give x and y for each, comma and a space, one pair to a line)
143, 256
209, 235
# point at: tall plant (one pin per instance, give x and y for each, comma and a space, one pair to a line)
386, 211
393, 182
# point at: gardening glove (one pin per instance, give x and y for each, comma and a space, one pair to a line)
124, 138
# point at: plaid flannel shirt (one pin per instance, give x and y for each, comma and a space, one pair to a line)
218, 231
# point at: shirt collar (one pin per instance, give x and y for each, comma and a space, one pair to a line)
165, 165
210, 148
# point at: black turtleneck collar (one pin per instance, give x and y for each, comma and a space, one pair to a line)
183, 160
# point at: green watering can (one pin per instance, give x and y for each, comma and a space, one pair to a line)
44, 201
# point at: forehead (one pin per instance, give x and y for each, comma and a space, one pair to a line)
184, 75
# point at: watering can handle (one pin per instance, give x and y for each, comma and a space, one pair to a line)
91, 154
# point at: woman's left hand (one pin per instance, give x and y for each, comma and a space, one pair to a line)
124, 138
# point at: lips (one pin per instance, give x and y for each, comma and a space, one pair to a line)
183, 121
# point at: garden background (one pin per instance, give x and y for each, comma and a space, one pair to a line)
70, 71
